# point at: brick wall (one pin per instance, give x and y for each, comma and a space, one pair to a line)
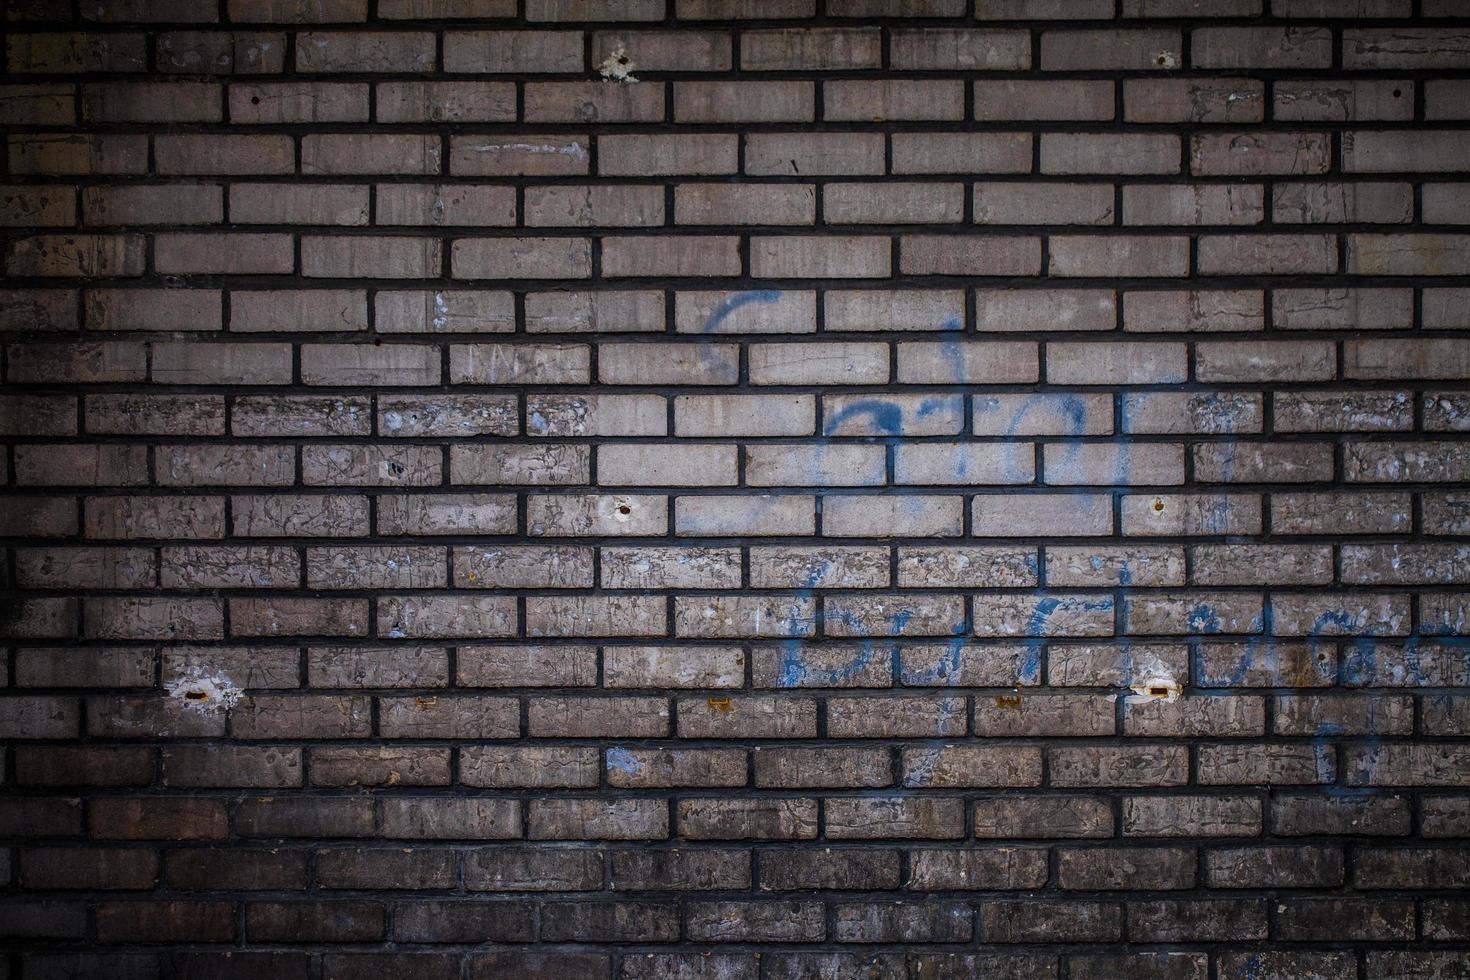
735, 488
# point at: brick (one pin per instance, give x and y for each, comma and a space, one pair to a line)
221, 364
1043, 203
585, 102
331, 204
1254, 47
851, 257
742, 101
445, 102
41, 310
152, 102
874, 818
518, 155
1024, 921
154, 517
355, 766
730, 9
1131, 50
1342, 203
443, 311
959, 153
573, 206
1134, 255
1402, 47
499, 767
970, 256
533, 52
298, 102
539, 869
344, 51
1243, 154
314, 921
520, 258
608, 921
893, 203
157, 818
690, 50
352, 153
224, 154
957, 49
766, 204
750, 311
221, 53
743, 616
1345, 100
1043, 100
1108, 869
700, 153
580, 819
477, 819
822, 49
662, 667
720, 516
67, 54
818, 363
1133, 153
76, 255
1195, 205
871, 101
1405, 255
498, 364
166, 921
637, 769
1203, 100
295, 12
172, 204
814, 154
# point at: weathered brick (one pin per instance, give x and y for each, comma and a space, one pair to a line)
1253, 47
344, 51
283, 577
585, 102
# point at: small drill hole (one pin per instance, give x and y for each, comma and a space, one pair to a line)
1158, 692
255, 100
1158, 506
624, 509
1397, 93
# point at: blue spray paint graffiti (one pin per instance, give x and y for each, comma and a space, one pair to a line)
722, 312
623, 761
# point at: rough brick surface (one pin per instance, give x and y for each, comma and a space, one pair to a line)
741, 489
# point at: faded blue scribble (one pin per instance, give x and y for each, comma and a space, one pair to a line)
623, 761
722, 312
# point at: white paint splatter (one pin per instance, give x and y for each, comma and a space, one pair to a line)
617, 67
573, 149
205, 691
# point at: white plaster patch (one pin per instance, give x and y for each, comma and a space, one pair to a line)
617, 67
204, 691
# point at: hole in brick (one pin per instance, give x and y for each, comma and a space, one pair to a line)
196, 696
1158, 505
1159, 692
624, 509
